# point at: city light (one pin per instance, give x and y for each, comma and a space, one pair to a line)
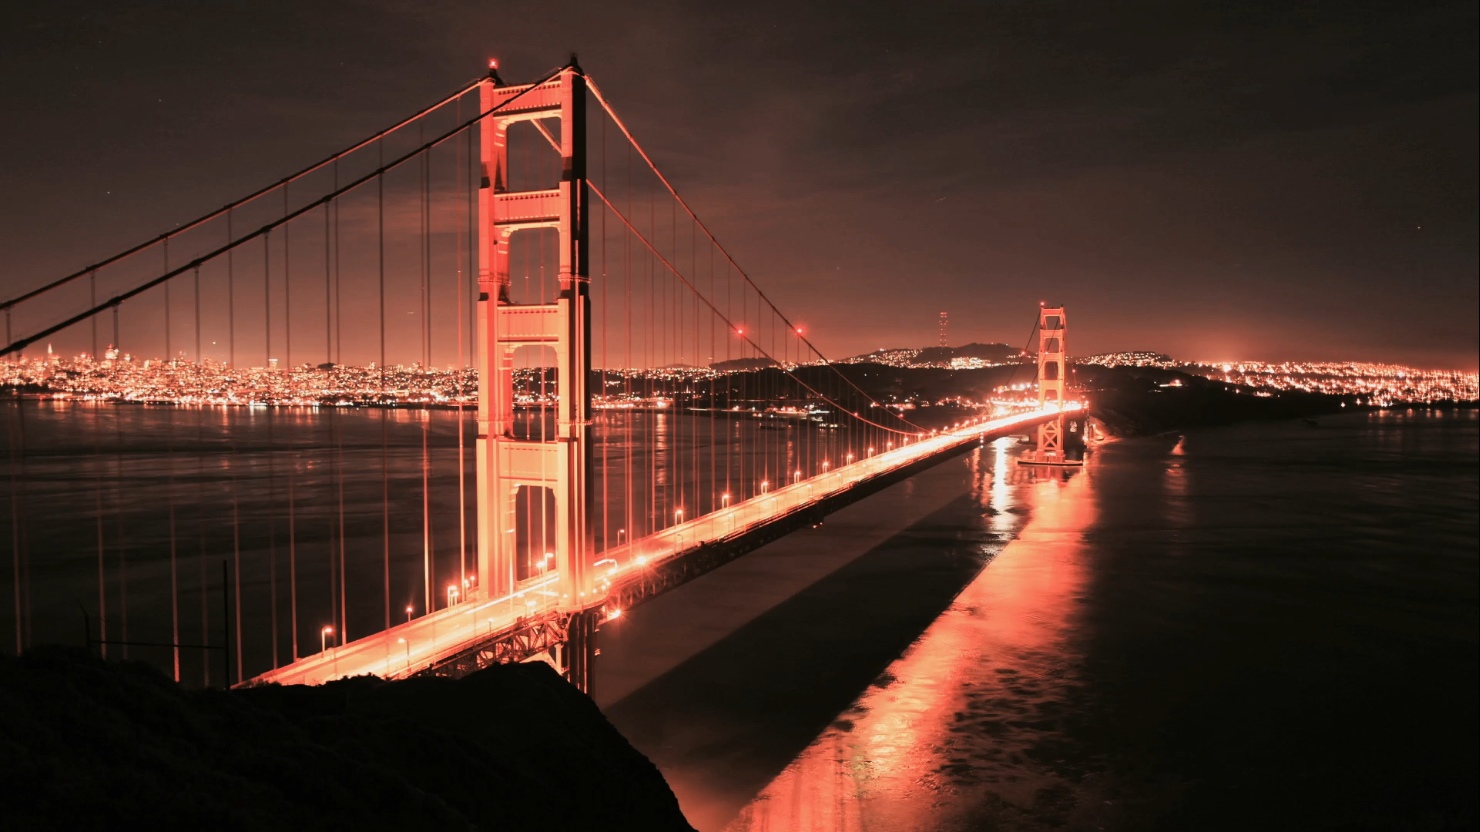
1378, 385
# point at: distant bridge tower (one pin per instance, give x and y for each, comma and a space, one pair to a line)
533, 491
943, 329
1053, 379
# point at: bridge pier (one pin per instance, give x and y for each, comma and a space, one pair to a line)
581, 651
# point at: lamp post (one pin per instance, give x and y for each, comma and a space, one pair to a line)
765, 486
451, 594
724, 500
324, 639
408, 613
677, 517
621, 533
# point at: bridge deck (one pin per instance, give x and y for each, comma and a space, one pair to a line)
431, 639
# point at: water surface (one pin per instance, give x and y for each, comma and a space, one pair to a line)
1266, 626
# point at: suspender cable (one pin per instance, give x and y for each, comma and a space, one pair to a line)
385, 482
15, 522
236, 503
292, 456
97, 430
272, 576
200, 520
338, 298
333, 414
426, 362
631, 420
92, 299
342, 605
172, 369
459, 290
118, 501
230, 319
605, 325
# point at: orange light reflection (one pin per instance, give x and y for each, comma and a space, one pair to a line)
950, 720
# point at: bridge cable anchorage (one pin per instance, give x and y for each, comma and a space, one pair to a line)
384, 167
621, 125
219, 212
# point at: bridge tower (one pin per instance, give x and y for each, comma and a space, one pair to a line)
535, 480
1053, 379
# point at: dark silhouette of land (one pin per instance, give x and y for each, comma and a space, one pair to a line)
92, 744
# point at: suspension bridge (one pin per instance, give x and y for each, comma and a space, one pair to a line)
456, 394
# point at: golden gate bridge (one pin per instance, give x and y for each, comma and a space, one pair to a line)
524, 232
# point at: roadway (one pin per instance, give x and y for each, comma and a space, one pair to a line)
415, 644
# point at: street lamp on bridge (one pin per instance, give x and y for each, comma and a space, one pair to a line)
324, 639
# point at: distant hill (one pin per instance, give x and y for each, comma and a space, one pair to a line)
989, 353
939, 356
742, 365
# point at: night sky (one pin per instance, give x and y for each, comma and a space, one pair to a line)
1282, 180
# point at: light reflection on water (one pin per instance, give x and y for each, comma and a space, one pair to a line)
964, 708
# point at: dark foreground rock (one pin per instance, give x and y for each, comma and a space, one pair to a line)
86, 744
